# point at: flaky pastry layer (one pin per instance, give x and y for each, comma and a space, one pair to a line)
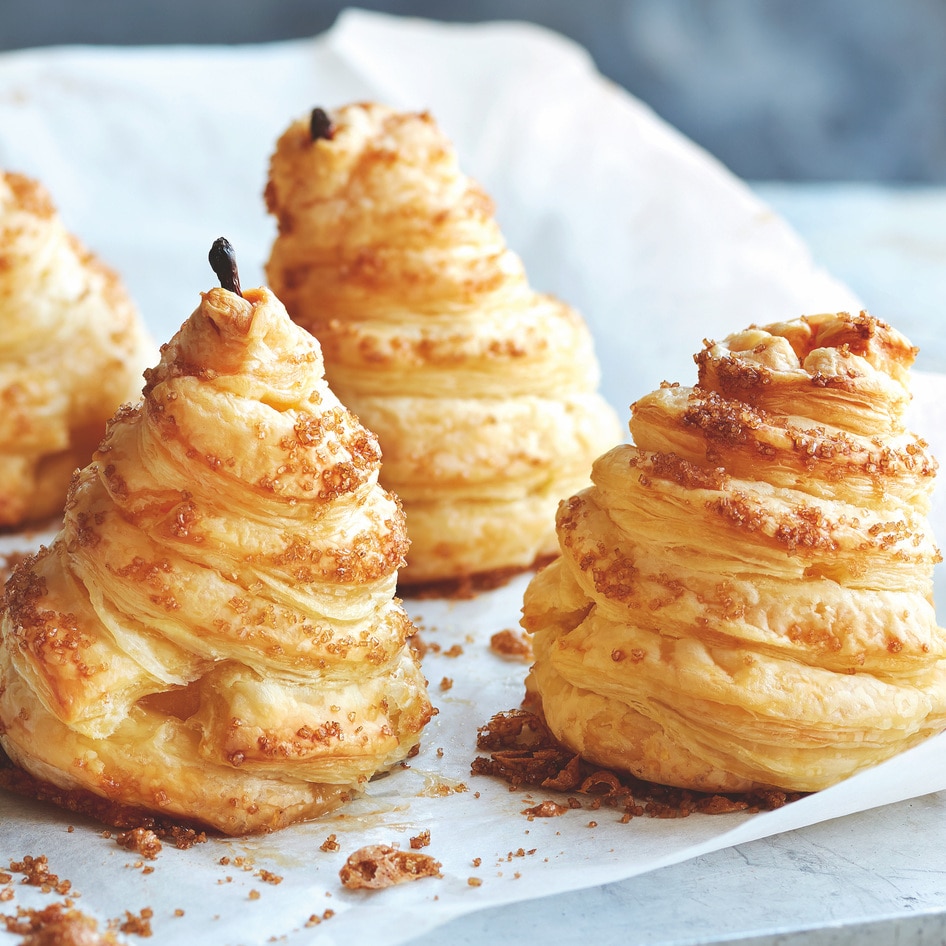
744, 597
481, 390
72, 349
214, 633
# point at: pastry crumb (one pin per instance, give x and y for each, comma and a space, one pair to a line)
546, 809
421, 840
56, 925
139, 925
330, 844
376, 866
522, 751
142, 841
511, 644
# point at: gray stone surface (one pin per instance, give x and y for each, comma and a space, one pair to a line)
873, 879
777, 89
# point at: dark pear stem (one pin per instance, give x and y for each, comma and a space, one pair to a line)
320, 125
223, 261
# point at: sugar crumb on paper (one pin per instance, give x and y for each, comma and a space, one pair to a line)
142, 841
61, 923
420, 840
513, 645
523, 752
57, 925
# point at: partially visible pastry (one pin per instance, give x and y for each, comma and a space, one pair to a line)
213, 635
482, 391
744, 597
72, 349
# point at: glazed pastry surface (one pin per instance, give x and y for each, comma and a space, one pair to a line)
72, 349
481, 390
214, 633
744, 597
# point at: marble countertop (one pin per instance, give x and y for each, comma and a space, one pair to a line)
871, 879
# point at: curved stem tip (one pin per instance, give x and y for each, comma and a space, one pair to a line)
320, 125
223, 261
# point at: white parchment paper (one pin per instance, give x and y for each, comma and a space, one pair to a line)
152, 153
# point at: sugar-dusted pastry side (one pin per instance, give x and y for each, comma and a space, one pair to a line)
744, 597
482, 391
72, 349
213, 635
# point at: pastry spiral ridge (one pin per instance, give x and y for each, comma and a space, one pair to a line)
482, 391
744, 597
72, 349
214, 633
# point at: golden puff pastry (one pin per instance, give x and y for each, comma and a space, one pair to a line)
72, 349
744, 597
482, 391
214, 633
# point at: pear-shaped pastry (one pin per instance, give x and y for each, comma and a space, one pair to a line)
214, 633
744, 597
72, 349
482, 391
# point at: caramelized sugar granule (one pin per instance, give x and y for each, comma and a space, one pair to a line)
36, 873
511, 644
519, 852
8, 563
56, 925
442, 789
330, 844
421, 840
182, 837
546, 809
139, 925
142, 841
522, 751
421, 648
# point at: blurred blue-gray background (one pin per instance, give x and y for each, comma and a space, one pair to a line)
791, 90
